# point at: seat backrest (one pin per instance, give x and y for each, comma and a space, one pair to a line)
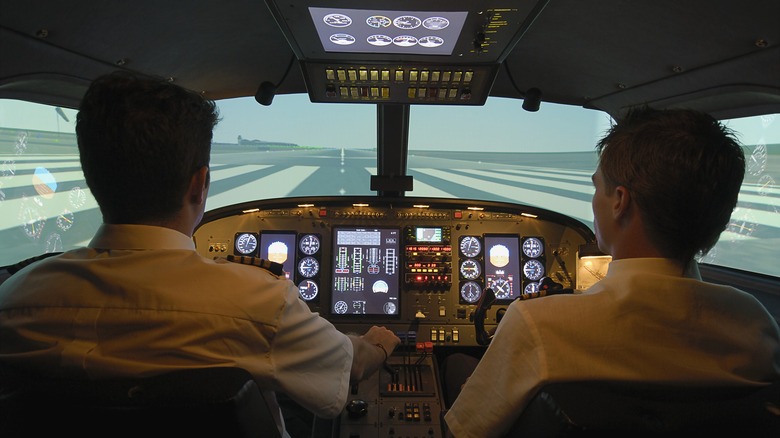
221, 401
642, 409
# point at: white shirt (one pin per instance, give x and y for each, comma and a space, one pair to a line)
140, 301
645, 321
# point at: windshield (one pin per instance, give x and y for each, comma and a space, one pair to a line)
496, 152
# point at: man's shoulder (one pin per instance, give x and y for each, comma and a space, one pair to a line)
266, 265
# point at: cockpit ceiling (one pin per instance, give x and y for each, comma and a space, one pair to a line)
720, 56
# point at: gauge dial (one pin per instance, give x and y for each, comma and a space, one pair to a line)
342, 39
246, 243
502, 288
77, 197
340, 307
65, 220
533, 270
390, 308
470, 291
309, 244
430, 41
469, 269
308, 290
436, 23
407, 22
337, 20
308, 267
470, 246
533, 247
531, 288
378, 21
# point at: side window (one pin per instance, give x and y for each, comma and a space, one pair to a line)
751, 239
45, 205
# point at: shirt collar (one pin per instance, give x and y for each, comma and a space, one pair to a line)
653, 266
112, 236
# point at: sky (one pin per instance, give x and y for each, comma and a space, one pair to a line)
501, 125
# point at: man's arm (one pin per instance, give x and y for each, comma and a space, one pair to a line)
370, 351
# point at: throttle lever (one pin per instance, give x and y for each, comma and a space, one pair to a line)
485, 301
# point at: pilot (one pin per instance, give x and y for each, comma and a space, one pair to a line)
665, 187
139, 300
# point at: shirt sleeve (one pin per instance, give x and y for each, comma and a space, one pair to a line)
506, 378
311, 359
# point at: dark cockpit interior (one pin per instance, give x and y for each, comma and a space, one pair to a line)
405, 250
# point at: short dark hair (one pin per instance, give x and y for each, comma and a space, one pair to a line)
683, 168
140, 142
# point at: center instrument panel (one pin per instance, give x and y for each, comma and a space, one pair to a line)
417, 266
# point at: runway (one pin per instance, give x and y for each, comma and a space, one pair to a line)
66, 215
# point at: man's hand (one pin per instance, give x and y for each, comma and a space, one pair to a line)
368, 356
382, 336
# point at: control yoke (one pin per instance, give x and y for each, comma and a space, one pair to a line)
485, 301
546, 287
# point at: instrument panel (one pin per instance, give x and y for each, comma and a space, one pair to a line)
415, 265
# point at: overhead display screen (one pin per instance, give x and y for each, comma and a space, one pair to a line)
365, 271
383, 31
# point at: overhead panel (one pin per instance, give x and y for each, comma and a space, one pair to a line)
445, 53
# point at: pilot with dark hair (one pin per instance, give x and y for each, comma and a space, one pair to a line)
665, 187
139, 300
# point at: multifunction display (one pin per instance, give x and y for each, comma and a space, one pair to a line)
502, 266
279, 247
383, 31
365, 271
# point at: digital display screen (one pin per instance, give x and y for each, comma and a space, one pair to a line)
428, 234
279, 247
502, 266
365, 271
385, 31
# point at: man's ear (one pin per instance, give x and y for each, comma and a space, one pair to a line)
199, 185
622, 203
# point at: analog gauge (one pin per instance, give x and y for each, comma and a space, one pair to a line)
342, 39
390, 308
309, 244
469, 269
77, 197
532, 247
32, 222
430, 41
378, 21
533, 270
340, 307
379, 40
54, 243
470, 246
531, 288
502, 288
337, 20
405, 40
246, 243
308, 267
470, 291
308, 290
756, 164
65, 220
435, 23
407, 22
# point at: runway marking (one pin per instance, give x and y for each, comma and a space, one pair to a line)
421, 189
579, 188
575, 208
276, 185
218, 174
